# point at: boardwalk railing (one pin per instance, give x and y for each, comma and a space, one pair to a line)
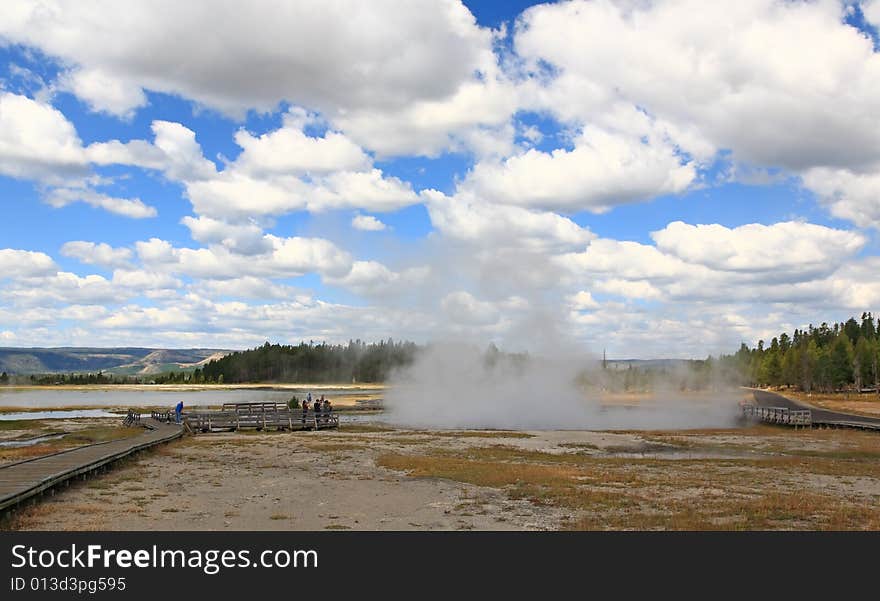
261, 418
165, 417
779, 415
251, 408
133, 418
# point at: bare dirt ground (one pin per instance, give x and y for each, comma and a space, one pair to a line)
371, 478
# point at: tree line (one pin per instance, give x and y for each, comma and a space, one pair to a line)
356, 361
828, 358
306, 362
73, 378
682, 375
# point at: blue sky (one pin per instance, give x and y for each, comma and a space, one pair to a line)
657, 181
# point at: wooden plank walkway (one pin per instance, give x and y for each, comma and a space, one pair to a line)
262, 416
779, 415
22, 480
822, 418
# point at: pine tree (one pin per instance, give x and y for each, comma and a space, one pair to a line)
852, 330
771, 369
868, 331
841, 362
875, 372
863, 363
784, 342
790, 365
809, 362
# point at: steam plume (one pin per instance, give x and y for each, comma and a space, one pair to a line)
456, 385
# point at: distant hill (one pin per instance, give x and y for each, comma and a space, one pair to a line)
122, 361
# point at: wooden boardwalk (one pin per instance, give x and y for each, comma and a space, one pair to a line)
260, 416
767, 401
779, 415
22, 480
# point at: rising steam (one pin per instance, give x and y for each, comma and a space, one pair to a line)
460, 386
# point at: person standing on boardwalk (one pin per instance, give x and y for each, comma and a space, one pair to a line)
305, 410
177, 411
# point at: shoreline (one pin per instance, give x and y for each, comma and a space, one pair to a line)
192, 387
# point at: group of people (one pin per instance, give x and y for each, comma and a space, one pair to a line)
321, 408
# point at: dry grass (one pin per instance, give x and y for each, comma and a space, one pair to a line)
76, 439
770, 511
756, 430
99, 434
781, 489
37, 514
22, 453
21, 424
478, 434
580, 446
850, 402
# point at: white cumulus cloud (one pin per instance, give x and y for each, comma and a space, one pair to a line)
367, 223
99, 253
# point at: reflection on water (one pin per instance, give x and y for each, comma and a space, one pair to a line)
50, 397
57, 414
369, 417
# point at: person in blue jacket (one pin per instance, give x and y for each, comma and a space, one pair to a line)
178, 410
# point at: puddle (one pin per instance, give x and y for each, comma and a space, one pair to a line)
680, 455
650, 450
14, 444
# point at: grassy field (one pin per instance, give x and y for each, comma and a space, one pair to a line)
848, 402
82, 433
765, 479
